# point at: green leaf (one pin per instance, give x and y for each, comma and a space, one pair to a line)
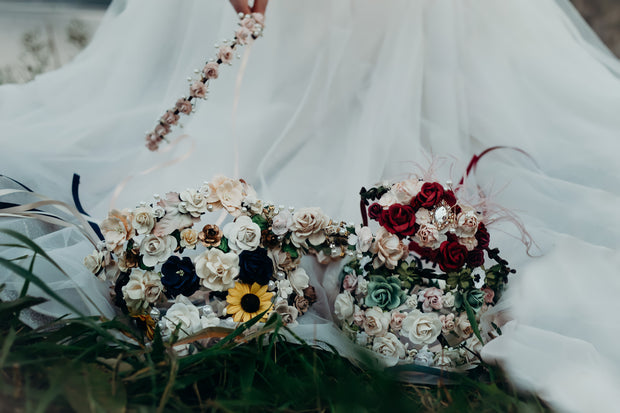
471, 316
158, 352
260, 221
290, 250
19, 304
224, 245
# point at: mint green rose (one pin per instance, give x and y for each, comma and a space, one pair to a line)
384, 293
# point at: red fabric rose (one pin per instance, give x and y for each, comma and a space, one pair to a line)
483, 237
374, 211
430, 194
399, 219
425, 253
452, 256
450, 198
475, 258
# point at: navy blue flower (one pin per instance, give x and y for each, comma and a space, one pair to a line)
255, 267
179, 277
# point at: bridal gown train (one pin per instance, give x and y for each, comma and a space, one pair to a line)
341, 94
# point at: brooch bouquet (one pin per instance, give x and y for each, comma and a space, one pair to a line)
416, 288
169, 269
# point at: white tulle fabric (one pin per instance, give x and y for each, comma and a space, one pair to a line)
338, 95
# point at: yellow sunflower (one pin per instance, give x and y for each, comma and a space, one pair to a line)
246, 302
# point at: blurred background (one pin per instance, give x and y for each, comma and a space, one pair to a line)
41, 35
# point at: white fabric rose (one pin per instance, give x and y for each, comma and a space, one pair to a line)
448, 300
299, 280
156, 249
281, 223
387, 200
242, 234
217, 270
421, 328
308, 225
463, 327
193, 202
389, 249
184, 315
210, 320
362, 286
377, 322
423, 216
364, 239
424, 357
284, 288
390, 347
94, 262
143, 220
343, 306
405, 191
143, 288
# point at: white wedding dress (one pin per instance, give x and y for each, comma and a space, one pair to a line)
341, 94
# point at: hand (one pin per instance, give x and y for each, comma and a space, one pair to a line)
242, 6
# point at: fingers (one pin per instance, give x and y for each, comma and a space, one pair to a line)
241, 6
260, 6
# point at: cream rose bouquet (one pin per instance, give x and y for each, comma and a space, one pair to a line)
171, 268
416, 288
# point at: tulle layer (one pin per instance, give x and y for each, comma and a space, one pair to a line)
339, 95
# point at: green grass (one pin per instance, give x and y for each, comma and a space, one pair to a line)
91, 365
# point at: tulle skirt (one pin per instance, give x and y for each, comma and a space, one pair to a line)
340, 95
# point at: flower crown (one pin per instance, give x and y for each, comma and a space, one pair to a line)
161, 266
250, 28
395, 302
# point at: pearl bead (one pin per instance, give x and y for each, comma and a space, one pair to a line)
271, 286
280, 275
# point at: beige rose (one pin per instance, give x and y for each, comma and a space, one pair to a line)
308, 225
94, 262
389, 249
184, 315
364, 239
421, 328
468, 242
396, 321
299, 280
217, 270
376, 322
387, 199
428, 236
288, 313
244, 35
226, 193
189, 238
463, 326
116, 229
143, 220
447, 322
282, 261
143, 288
466, 223
343, 306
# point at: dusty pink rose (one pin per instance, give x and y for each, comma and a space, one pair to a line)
489, 295
225, 54
350, 282
244, 35
211, 70
359, 316
161, 130
396, 323
170, 118
469, 242
447, 322
184, 106
389, 249
467, 223
428, 236
198, 89
259, 18
152, 141
431, 299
